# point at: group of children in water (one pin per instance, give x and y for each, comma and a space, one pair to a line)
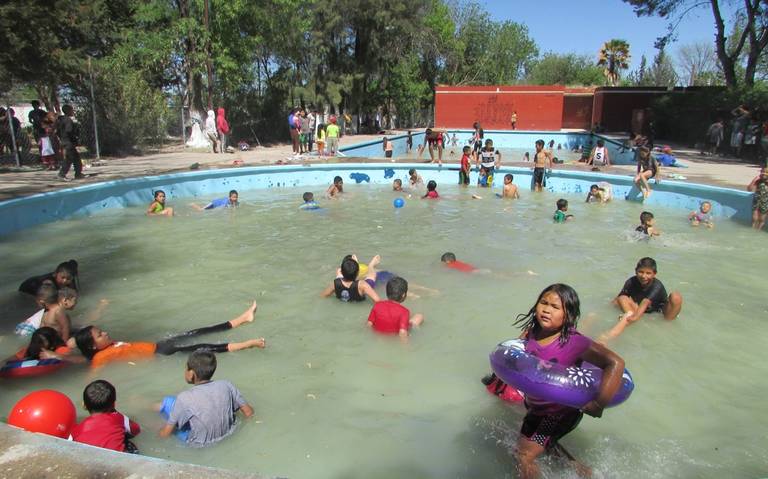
206, 412
53, 337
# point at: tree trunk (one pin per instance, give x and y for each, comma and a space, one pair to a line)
208, 63
757, 43
194, 80
726, 61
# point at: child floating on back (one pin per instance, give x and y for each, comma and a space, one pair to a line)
207, 410
703, 216
549, 329
643, 293
105, 427
391, 317
560, 215
157, 207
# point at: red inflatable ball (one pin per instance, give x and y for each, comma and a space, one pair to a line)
46, 411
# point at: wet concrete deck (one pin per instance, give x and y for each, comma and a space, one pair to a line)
25, 455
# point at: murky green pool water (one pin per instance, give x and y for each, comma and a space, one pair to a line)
334, 400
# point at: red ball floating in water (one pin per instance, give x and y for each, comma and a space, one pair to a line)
45, 411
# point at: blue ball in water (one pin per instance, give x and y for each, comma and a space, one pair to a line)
399, 202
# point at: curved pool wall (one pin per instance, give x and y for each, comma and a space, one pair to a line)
96, 198
501, 139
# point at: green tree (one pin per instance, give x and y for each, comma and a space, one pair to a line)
484, 51
662, 72
565, 69
613, 57
751, 41
46, 44
698, 64
639, 77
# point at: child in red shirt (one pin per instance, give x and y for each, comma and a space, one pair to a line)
431, 191
464, 171
450, 260
105, 427
390, 317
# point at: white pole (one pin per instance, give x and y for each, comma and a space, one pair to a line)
93, 112
13, 136
183, 131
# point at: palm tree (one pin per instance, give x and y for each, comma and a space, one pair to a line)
614, 56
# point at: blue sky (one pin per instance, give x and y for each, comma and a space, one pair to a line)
582, 26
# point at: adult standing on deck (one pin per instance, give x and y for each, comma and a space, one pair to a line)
293, 130
513, 120
35, 118
715, 136
741, 116
312, 116
223, 126
69, 137
210, 129
434, 140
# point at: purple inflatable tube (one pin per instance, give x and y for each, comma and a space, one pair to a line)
570, 386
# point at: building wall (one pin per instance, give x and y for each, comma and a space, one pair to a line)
538, 107
577, 111
613, 107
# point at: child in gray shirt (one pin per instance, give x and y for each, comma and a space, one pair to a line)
207, 410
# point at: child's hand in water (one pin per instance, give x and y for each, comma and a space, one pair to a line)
593, 409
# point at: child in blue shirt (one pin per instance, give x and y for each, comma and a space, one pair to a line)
309, 202
229, 202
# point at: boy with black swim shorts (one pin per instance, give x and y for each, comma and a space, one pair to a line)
542, 161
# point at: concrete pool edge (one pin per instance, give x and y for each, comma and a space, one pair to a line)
24, 454
20, 213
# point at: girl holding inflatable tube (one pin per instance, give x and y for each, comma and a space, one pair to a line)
549, 329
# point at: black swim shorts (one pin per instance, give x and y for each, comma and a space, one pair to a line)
547, 430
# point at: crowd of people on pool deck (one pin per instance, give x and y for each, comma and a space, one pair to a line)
206, 413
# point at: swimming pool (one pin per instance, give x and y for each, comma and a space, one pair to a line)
517, 141
95, 198
334, 400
